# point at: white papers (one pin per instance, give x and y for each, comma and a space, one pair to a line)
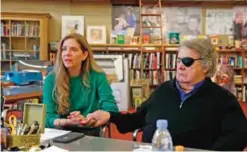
52, 133
140, 148
54, 149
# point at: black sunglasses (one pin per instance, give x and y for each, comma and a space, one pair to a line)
188, 61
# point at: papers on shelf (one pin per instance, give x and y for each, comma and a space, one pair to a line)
52, 133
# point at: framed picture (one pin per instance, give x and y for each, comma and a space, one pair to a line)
72, 24
96, 34
111, 64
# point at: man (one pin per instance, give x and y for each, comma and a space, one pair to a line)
200, 113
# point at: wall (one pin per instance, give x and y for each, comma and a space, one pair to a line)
94, 14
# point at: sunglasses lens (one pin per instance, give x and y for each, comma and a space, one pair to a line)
188, 61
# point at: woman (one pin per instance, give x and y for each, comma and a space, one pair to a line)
77, 85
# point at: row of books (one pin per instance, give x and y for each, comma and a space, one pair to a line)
4, 55
233, 60
20, 29
238, 79
241, 93
170, 61
168, 75
148, 61
154, 76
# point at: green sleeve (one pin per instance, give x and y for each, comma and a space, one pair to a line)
106, 98
51, 113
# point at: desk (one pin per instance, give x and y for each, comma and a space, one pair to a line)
89, 143
15, 93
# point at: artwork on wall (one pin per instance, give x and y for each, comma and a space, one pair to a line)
218, 21
111, 64
96, 34
184, 20
239, 23
72, 24
124, 17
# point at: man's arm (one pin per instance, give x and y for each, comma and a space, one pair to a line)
129, 121
233, 134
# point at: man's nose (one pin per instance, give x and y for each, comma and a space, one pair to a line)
180, 66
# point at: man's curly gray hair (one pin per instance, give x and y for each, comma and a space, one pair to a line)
206, 50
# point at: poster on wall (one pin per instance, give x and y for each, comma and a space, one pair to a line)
124, 17
72, 24
184, 20
239, 23
218, 21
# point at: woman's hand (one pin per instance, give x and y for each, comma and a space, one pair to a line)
77, 118
100, 117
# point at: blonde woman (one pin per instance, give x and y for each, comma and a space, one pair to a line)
77, 85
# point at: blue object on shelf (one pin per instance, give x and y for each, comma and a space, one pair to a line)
22, 77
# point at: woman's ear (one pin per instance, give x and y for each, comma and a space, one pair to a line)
84, 55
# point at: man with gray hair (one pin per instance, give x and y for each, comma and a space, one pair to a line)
200, 113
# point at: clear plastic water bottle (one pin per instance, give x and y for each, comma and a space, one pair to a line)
162, 140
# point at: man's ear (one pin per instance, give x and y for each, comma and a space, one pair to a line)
207, 67
85, 55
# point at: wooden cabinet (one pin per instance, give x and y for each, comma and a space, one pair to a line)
24, 36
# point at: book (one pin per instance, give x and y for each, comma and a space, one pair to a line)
120, 39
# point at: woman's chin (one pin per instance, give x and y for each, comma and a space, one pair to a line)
68, 66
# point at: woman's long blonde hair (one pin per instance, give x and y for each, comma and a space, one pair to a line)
61, 91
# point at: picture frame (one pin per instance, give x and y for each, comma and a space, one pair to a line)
96, 34
72, 24
111, 64
174, 38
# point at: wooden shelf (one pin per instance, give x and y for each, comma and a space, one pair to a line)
6, 36
151, 26
169, 69
134, 45
114, 45
30, 51
229, 51
148, 69
237, 68
8, 60
180, 2
150, 14
14, 60
154, 85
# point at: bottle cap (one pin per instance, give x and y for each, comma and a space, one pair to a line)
179, 148
162, 124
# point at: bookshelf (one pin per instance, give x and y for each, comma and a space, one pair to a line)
24, 36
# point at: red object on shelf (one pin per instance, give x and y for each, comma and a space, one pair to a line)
244, 108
